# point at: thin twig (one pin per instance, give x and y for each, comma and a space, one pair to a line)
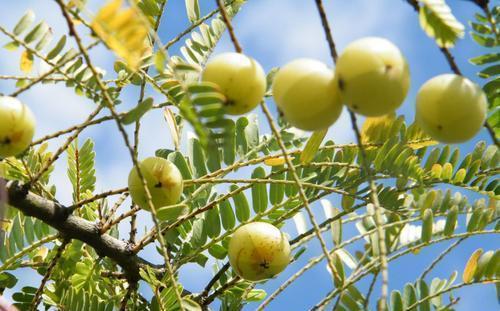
110, 105
440, 257
302, 193
369, 176
86, 124
48, 273
212, 282
370, 290
63, 148
223, 13
449, 289
97, 197
132, 287
375, 263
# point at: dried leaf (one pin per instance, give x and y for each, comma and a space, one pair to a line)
124, 31
26, 64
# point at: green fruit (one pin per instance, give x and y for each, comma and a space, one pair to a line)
17, 126
241, 79
258, 251
165, 183
451, 108
306, 93
373, 76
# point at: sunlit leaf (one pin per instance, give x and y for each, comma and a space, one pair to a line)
439, 23
123, 30
27, 60
470, 267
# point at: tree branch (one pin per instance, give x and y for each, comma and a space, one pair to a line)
74, 227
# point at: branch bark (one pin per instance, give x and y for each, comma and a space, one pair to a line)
74, 227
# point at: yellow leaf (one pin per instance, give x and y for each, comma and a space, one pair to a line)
423, 143
376, 129
5, 225
438, 21
26, 64
470, 267
418, 138
436, 170
124, 30
276, 161
41, 254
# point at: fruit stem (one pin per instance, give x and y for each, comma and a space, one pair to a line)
373, 189
230, 29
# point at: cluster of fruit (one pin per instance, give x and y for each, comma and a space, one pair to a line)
371, 77
257, 250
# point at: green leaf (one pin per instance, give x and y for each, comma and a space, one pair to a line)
255, 295
193, 10
482, 264
36, 33
451, 221
259, 191
409, 297
483, 40
227, 215
197, 157
213, 222
136, 113
312, 146
423, 289
277, 191
492, 266
198, 237
229, 143
485, 59
7, 280
57, 48
241, 205
24, 23
437, 20
218, 251
46, 39
11, 46
160, 60
427, 224
396, 301
489, 72
190, 305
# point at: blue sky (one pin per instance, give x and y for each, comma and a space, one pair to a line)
274, 33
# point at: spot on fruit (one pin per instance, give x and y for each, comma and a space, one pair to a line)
439, 127
5, 141
341, 84
264, 264
388, 68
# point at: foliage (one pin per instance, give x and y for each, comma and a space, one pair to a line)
234, 173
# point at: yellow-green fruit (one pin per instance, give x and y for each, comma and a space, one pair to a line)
258, 251
17, 126
373, 76
165, 183
451, 108
305, 92
240, 78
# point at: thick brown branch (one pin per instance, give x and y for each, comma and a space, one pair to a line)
74, 227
